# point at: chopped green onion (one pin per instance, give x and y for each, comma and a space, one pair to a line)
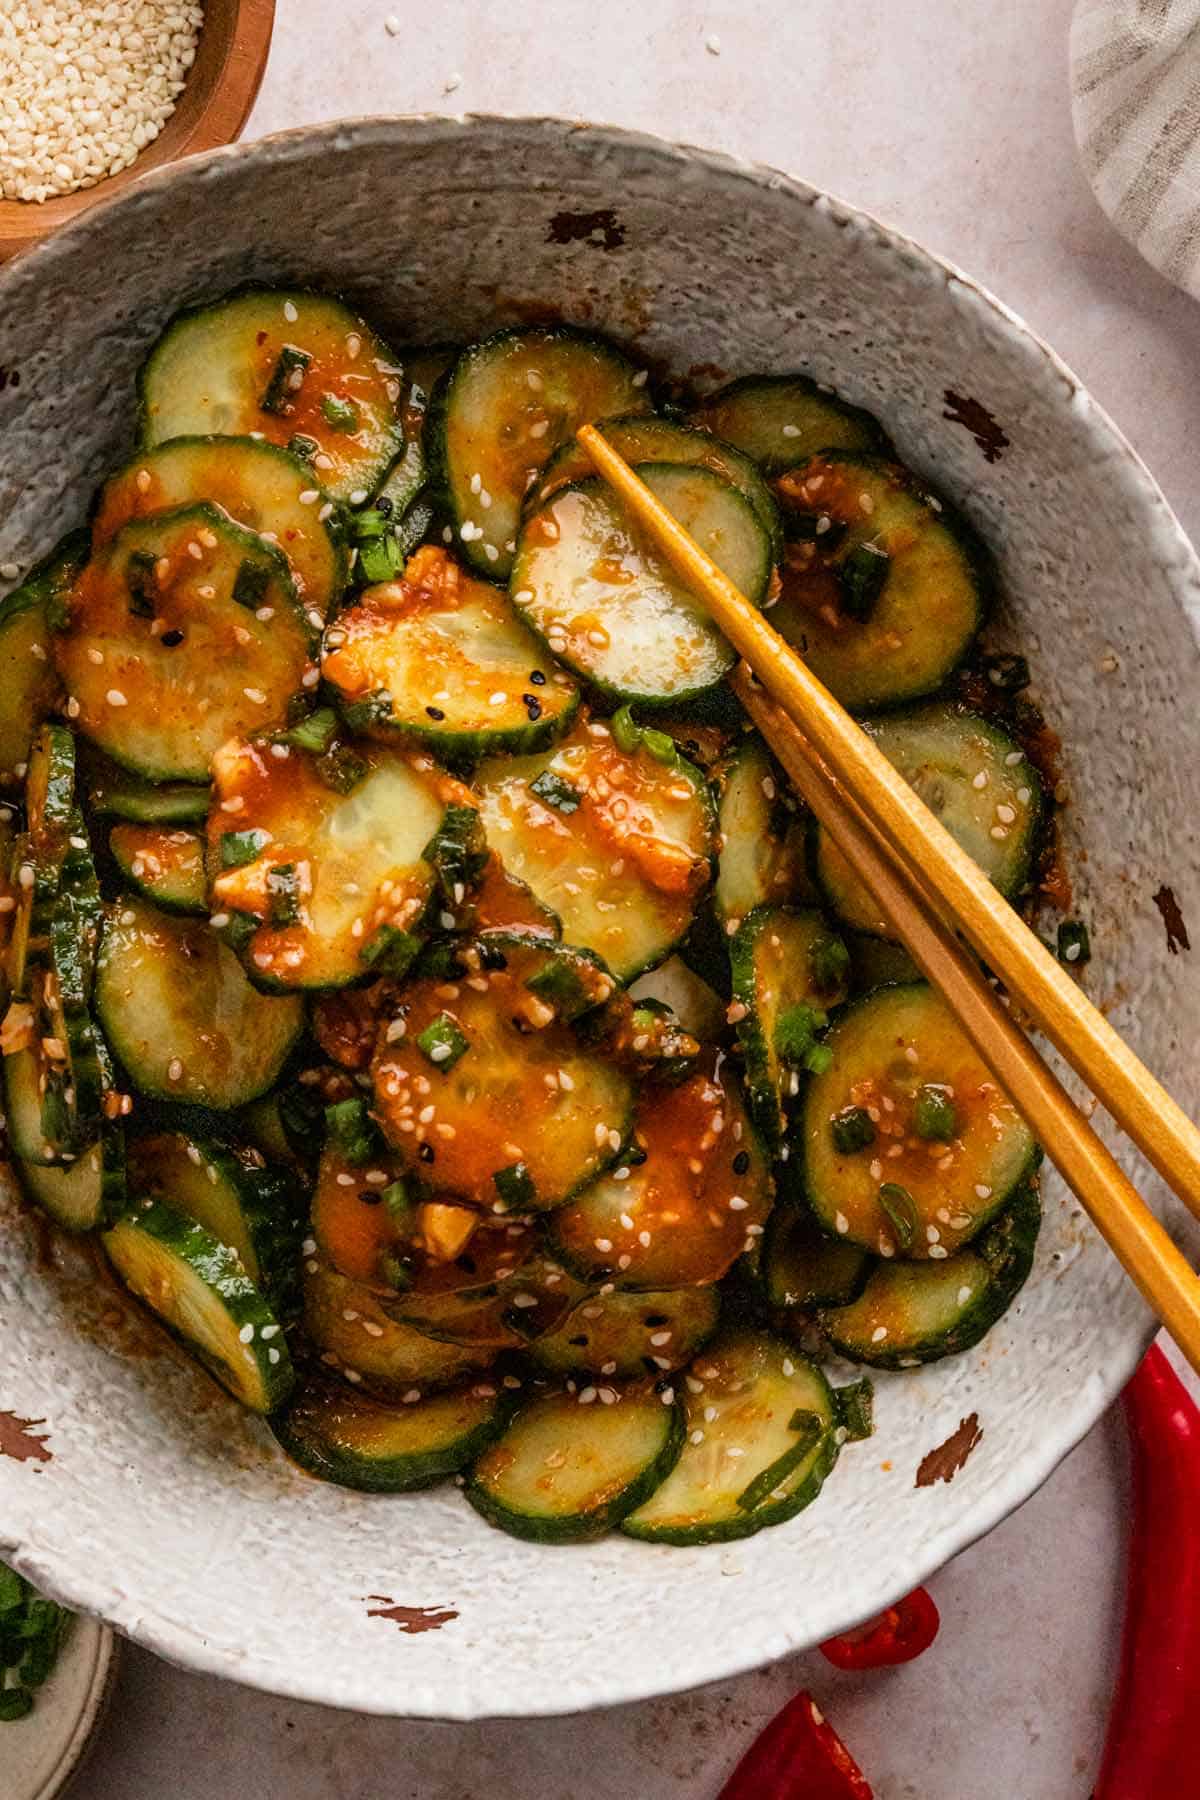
341, 414
241, 847
796, 1038
855, 1407
515, 1186
934, 1117
901, 1211
350, 1125
829, 961
380, 558
457, 851
442, 1043
250, 583
861, 575
391, 951
283, 895
559, 984
627, 733
340, 769
303, 446
315, 732
1074, 942
139, 574
852, 1130
371, 522
282, 384
555, 792
398, 1200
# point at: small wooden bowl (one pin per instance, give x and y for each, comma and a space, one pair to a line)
231, 54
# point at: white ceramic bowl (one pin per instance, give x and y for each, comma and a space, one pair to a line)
167, 1511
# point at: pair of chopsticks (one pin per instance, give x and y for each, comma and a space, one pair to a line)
935, 897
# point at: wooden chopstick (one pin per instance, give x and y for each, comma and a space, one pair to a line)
1158, 1269
944, 873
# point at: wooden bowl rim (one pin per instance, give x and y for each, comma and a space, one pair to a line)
223, 111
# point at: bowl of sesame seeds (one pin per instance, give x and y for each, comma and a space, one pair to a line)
93, 93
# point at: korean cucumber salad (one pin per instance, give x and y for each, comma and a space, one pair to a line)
423, 981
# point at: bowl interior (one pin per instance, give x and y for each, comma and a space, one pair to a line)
163, 1507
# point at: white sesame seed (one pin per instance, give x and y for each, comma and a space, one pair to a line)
842, 1223
879, 1333
115, 697
246, 1334
938, 1252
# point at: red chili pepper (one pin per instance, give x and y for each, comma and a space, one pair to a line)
798, 1757
1150, 1753
898, 1635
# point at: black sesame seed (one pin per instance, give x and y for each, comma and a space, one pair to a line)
370, 1196
634, 1157
435, 712
741, 1162
533, 706
384, 505
169, 639
426, 1153
537, 678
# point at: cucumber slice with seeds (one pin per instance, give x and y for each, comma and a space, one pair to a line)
356, 1334
782, 959
616, 842
347, 1437
763, 834
442, 659
295, 367
607, 603
29, 615
497, 417
565, 1472
886, 1049
910, 1313
259, 485
973, 777
199, 634
622, 1335
802, 1267
647, 439
181, 1015
781, 420
514, 1310
683, 1214
323, 857
762, 1411
925, 612
524, 1114
200, 1291
164, 864
80, 1194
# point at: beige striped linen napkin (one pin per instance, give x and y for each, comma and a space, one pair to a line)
1135, 96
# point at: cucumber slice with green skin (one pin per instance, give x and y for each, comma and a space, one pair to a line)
50, 795
683, 1215
261, 1125
194, 664
76, 1065
647, 439
802, 1267
164, 864
259, 485
762, 831
200, 1291
349, 1438
441, 658
499, 413
973, 777
761, 1407
606, 602
28, 617
489, 1109
515, 1310
886, 1048
415, 525
332, 883
565, 1471
80, 1194
936, 587
323, 375
250, 1208
113, 792
622, 1335
406, 478
697, 1008
877, 962
780, 420
780, 958
617, 843
179, 1012
349, 1324
910, 1313
34, 890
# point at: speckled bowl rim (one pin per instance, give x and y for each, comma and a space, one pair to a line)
80, 1586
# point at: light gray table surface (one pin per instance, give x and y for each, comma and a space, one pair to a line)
951, 121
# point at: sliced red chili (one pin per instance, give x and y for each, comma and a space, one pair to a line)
799, 1756
898, 1635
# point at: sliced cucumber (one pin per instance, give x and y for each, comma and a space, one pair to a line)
898, 1055
802, 1267
408, 475
180, 1014
973, 777
782, 420
760, 1442
498, 415
348, 1323
323, 856
895, 633
362, 1223
114, 792
259, 485
565, 1471
199, 1289
76, 1065
294, 367
876, 962
789, 971
617, 842
681, 1215
28, 617
199, 634
762, 832
514, 1309
911, 1313
625, 1335
164, 864
488, 1076
647, 439
696, 1007
350, 1438
441, 658
608, 604
250, 1208
80, 1194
